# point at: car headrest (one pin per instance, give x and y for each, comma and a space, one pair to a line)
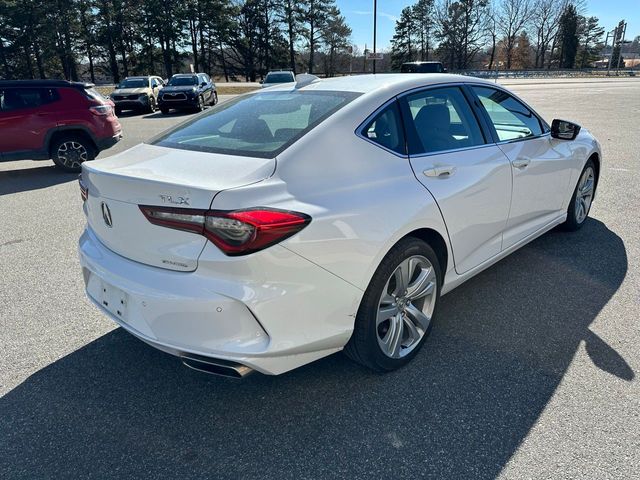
433, 117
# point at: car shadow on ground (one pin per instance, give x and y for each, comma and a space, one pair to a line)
500, 347
24, 180
171, 113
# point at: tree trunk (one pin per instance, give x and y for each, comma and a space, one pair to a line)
194, 43
204, 66
312, 45
3, 60
38, 55
224, 62
292, 52
27, 57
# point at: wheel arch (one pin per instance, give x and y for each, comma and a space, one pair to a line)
435, 241
595, 158
59, 132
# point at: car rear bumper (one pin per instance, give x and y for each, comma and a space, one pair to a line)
271, 311
105, 143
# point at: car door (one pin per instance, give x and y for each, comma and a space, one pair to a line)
26, 115
468, 175
206, 87
540, 173
156, 85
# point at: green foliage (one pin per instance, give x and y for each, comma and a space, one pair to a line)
568, 36
590, 37
109, 39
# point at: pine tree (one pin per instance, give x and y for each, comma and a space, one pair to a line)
568, 37
403, 41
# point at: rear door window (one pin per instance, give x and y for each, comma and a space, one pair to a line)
440, 119
261, 125
26, 98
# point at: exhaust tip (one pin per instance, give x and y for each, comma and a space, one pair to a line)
214, 366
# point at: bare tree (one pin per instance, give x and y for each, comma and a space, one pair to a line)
545, 18
512, 16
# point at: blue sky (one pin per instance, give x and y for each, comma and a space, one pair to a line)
360, 17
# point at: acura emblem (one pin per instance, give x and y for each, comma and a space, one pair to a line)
106, 215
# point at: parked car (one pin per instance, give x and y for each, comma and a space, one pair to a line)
423, 67
191, 91
387, 193
278, 77
137, 93
68, 122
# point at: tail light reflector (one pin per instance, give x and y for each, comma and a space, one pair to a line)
236, 232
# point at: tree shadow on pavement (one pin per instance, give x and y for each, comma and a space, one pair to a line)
27, 179
500, 347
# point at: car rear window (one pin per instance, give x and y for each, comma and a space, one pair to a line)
135, 83
279, 78
259, 125
183, 81
95, 95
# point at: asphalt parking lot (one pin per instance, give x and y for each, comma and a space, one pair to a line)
531, 370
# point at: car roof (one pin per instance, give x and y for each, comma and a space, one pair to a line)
45, 84
185, 74
421, 62
392, 83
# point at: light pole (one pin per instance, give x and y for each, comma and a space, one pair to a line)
375, 17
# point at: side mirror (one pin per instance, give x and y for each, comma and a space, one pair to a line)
564, 130
203, 84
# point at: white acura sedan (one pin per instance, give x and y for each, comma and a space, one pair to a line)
289, 224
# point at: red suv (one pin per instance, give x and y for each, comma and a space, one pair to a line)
68, 122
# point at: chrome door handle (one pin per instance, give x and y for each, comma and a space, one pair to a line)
521, 162
440, 171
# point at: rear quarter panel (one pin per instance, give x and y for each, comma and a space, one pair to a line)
362, 199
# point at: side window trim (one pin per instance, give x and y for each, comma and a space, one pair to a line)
489, 131
410, 131
360, 130
544, 127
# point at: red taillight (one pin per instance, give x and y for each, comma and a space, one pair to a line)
236, 232
101, 110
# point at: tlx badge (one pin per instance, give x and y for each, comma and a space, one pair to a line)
175, 200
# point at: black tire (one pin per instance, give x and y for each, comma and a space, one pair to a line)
118, 111
80, 149
214, 99
574, 220
200, 107
152, 105
164, 110
363, 346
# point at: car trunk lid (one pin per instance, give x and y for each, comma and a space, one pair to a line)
160, 176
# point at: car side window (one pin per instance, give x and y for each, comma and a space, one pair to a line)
440, 119
386, 130
25, 98
511, 119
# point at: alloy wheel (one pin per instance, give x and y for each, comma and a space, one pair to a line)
584, 194
71, 154
406, 306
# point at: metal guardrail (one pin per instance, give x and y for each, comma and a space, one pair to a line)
544, 73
